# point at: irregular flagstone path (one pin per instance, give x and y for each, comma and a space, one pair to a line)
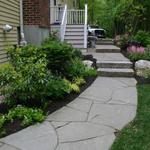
87, 123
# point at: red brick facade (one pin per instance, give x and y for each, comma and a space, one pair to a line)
36, 12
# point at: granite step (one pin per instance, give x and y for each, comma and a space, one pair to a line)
114, 64
101, 42
115, 72
107, 49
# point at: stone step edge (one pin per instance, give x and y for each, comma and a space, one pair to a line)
103, 49
115, 72
114, 62
117, 65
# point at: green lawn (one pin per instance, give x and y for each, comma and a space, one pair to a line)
136, 135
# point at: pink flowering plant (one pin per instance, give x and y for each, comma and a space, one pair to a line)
136, 49
137, 52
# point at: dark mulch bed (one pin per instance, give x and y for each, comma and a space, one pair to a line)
52, 106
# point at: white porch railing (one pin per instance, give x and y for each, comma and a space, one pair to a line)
85, 27
62, 17
75, 16
63, 24
56, 13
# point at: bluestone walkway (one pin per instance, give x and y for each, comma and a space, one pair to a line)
90, 122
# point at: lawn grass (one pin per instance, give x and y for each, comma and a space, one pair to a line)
136, 135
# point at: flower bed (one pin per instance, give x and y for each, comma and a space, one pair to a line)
40, 80
137, 48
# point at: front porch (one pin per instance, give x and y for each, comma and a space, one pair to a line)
71, 25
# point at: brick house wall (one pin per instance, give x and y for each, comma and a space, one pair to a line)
31, 11
36, 20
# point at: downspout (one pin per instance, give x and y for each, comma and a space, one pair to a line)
22, 40
50, 29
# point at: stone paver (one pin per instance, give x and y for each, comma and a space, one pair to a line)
115, 116
37, 137
81, 104
87, 123
67, 114
126, 95
101, 94
58, 124
1, 144
77, 131
8, 147
98, 143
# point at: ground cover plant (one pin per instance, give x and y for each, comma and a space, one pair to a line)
136, 135
26, 116
39, 80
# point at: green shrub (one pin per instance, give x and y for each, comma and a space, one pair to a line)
90, 72
29, 72
75, 85
139, 56
7, 74
26, 55
77, 69
27, 116
59, 56
79, 81
28, 78
57, 88
2, 122
32, 86
143, 37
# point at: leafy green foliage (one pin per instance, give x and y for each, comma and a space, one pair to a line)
2, 121
79, 81
78, 69
75, 88
28, 78
139, 56
75, 85
75, 69
90, 72
143, 37
7, 74
59, 55
57, 88
27, 116
129, 15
